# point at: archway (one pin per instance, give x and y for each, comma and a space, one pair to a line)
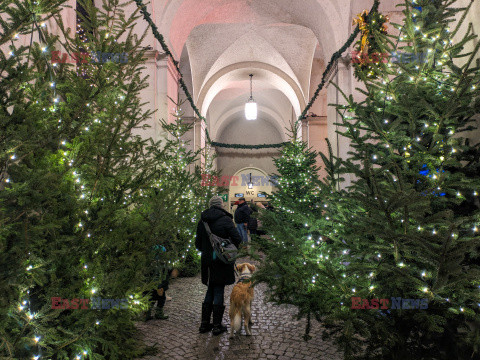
239, 186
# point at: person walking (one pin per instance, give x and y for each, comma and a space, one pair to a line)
215, 273
242, 217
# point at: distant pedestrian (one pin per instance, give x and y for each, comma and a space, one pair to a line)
160, 273
242, 216
215, 273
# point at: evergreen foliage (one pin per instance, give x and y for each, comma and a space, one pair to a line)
305, 258
408, 224
77, 216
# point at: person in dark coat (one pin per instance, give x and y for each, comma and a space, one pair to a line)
242, 217
215, 273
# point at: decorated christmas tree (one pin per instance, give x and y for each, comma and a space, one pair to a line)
179, 195
304, 256
75, 179
415, 183
390, 264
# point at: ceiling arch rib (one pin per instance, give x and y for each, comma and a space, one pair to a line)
177, 18
288, 47
269, 74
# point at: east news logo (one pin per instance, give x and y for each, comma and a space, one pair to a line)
397, 303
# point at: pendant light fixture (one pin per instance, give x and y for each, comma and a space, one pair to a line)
250, 184
251, 105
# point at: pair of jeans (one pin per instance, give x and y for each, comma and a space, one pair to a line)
214, 294
242, 230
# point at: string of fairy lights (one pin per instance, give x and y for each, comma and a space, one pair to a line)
189, 201
24, 303
24, 306
444, 85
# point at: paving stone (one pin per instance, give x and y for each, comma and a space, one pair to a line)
276, 334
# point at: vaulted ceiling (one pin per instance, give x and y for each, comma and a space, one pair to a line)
220, 42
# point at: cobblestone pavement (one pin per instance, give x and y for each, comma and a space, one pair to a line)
276, 334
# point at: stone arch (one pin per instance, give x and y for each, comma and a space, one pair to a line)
242, 188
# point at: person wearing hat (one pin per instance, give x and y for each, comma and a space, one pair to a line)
215, 273
242, 217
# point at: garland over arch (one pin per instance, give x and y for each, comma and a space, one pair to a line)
331, 65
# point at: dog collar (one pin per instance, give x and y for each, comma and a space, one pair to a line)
244, 278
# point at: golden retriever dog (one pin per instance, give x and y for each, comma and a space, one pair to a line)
241, 300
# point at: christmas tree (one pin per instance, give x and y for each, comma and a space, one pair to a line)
75, 178
407, 227
304, 256
179, 195
413, 176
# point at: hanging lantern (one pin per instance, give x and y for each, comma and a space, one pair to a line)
251, 105
250, 183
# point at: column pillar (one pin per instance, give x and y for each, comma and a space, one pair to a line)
166, 80
340, 144
315, 132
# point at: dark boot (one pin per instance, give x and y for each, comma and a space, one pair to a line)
218, 328
159, 314
206, 326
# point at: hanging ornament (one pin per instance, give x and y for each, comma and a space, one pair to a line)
368, 54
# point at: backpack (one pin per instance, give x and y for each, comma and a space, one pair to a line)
223, 248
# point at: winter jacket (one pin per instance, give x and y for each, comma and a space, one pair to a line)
215, 272
242, 214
